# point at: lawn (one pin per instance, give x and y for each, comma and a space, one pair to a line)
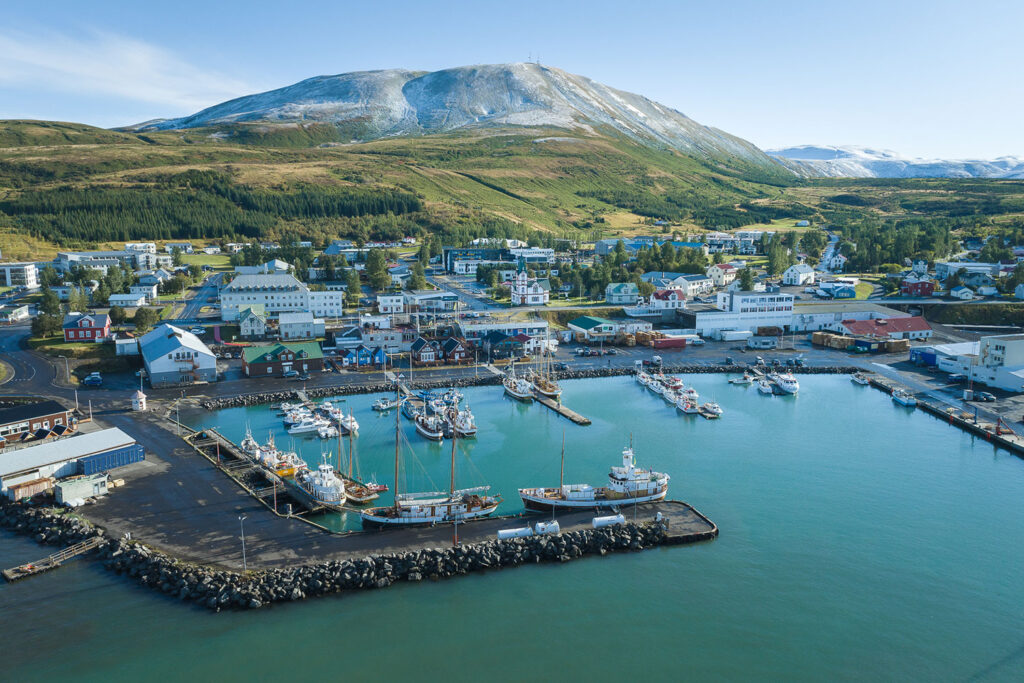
864, 290
216, 261
56, 346
576, 301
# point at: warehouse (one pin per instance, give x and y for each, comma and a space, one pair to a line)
84, 454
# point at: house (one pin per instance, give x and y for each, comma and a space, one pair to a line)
962, 293
357, 356
277, 359
433, 300
13, 313
661, 278
529, 291
913, 286
722, 274
455, 350
151, 261
910, 327
390, 304
802, 224
425, 352
799, 274
125, 344
919, 267
337, 247
693, 285
147, 291
976, 280
86, 327
300, 325
127, 300
400, 274
21, 421
346, 337
175, 356
154, 277
988, 290
499, 345
621, 293
183, 247
943, 269
252, 323
211, 250
592, 328
140, 247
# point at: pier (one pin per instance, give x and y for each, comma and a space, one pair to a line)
562, 410
51, 562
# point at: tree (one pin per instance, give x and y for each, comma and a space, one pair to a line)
418, 279
747, 280
145, 318
377, 270
719, 257
555, 283
501, 292
78, 299
49, 304
117, 315
195, 272
46, 325
48, 277
176, 257
994, 251
645, 288
101, 295
353, 290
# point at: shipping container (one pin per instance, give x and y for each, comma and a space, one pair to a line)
29, 489
119, 457
735, 335
669, 343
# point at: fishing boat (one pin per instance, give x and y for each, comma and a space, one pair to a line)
412, 509
746, 379
765, 387
904, 398
320, 488
281, 463
785, 381
348, 423
690, 393
685, 405
626, 484
409, 410
860, 378
307, 425
655, 386
452, 397
517, 387
670, 396
671, 382
713, 408
462, 421
327, 432
384, 404
430, 426
643, 379
249, 445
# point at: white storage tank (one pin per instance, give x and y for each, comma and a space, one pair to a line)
546, 528
520, 532
610, 520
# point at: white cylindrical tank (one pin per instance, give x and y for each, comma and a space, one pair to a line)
514, 533
609, 520
546, 528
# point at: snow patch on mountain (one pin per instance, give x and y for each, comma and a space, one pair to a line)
865, 162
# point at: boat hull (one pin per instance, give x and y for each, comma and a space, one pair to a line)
525, 398
312, 501
539, 503
376, 518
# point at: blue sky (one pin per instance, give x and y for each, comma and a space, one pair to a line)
933, 79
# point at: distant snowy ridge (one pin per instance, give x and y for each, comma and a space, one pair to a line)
375, 104
864, 162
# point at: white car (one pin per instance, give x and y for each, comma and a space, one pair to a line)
198, 331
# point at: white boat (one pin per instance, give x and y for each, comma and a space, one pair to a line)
685, 405
383, 404
430, 426
713, 408
786, 382
626, 484
249, 445
307, 425
746, 379
904, 398
411, 509
296, 416
348, 424
670, 396
671, 382
281, 463
860, 378
655, 386
643, 378
764, 386
463, 422
517, 387
322, 488
327, 432
690, 393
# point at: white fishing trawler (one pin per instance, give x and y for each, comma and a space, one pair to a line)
687, 406
517, 387
626, 484
904, 398
430, 426
320, 488
412, 509
463, 422
384, 404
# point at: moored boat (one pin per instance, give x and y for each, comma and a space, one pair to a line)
764, 386
860, 378
384, 404
430, 426
517, 387
785, 382
308, 425
904, 398
685, 405
320, 488
462, 421
746, 379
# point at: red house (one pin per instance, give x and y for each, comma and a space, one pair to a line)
86, 327
917, 288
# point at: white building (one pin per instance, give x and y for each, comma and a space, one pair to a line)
529, 291
999, 362
278, 293
745, 311
962, 293
184, 247
300, 326
252, 322
944, 269
19, 275
269, 268
798, 274
127, 300
147, 291
830, 317
722, 274
140, 247
211, 250
390, 304
147, 261
176, 356
662, 303
693, 285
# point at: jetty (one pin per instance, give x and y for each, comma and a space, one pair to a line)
562, 410
51, 562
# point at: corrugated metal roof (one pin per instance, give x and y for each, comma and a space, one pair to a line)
63, 450
167, 339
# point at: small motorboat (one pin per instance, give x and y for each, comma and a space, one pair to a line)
765, 387
860, 378
383, 404
713, 408
746, 379
904, 398
327, 432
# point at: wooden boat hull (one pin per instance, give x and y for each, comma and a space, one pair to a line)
376, 518
541, 503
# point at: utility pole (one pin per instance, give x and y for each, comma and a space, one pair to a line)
241, 525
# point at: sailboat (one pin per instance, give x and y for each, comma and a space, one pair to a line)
433, 507
543, 383
357, 492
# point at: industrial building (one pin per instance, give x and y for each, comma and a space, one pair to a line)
748, 311
87, 454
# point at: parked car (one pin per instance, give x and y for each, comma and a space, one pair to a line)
291, 373
983, 396
957, 377
93, 380
560, 367
198, 331
304, 377
612, 352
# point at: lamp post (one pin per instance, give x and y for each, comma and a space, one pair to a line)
241, 525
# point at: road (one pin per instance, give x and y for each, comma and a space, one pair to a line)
208, 289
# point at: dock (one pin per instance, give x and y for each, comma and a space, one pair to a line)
561, 409
51, 562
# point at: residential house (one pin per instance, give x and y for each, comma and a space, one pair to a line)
722, 274
455, 351
592, 328
346, 337
148, 261
252, 322
86, 327
147, 291
13, 313
425, 352
621, 293
391, 339
975, 280
184, 247
431, 300
357, 356
693, 285
1018, 293
127, 300
277, 359
943, 269
22, 421
400, 274
271, 267
661, 278
154, 277
798, 274
497, 344
211, 250
390, 304
337, 247
140, 247
175, 356
920, 267
962, 293
918, 287
300, 325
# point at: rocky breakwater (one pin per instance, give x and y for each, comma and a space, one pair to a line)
218, 589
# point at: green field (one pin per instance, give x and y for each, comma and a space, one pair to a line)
216, 261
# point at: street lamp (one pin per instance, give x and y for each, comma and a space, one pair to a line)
241, 525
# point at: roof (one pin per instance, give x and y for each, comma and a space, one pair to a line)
883, 327
724, 266
29, 410
451, 343
99, 319
589, 322
522, 338
692, 277
63, 450
961, 288
299, 318
660, 275
801, 268
166, 339
253, 311
257, 354
420, 342
666, 294
620, 288
258, 281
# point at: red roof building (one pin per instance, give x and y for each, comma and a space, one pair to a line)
914, 327
917, 288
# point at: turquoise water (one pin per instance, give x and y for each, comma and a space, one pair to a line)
859, 540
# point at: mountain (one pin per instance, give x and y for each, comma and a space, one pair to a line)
368, 105
864, 162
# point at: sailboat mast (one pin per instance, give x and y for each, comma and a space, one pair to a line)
561, 469
339, 448
451, 485
398, 393
351, 446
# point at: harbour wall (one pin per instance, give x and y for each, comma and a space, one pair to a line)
490, 379
218, 589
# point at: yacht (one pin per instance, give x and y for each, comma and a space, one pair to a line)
904, 398
786, 382
626, 484
307, 425
713, 408
348, 424
670, 396
384, 404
